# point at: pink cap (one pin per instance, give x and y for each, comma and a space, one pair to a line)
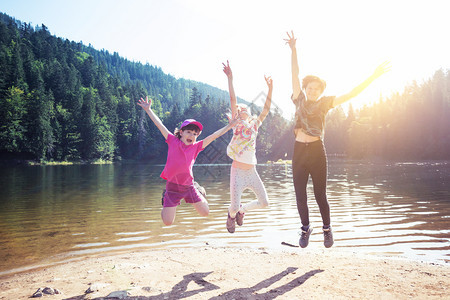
192, 121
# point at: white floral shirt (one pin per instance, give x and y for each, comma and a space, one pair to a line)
242, 146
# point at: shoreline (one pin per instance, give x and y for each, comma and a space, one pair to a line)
207, 272
284, 246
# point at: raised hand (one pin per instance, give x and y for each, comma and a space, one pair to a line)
227, 70
145, 104
232, 119
381, 69
290, 40
269, 81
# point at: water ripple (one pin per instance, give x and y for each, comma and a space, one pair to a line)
383, 209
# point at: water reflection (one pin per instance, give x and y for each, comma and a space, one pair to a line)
58, 212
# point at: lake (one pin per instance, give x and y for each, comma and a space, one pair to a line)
50, 214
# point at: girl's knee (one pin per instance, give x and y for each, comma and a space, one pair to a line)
168, 215
167, 222
202, 208
204, 213
264, 203
263, 200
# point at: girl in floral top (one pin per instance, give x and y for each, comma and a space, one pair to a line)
242, 150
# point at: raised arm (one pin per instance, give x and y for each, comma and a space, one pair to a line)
146, 105
380, 70
268, 102
233, 100
294, 65
210, 138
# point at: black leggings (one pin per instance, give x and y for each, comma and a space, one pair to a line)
310, 158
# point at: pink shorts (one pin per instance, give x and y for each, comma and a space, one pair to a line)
175, 192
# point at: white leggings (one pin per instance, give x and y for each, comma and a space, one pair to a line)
246, 179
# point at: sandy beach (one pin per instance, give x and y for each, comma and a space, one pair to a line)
233, 273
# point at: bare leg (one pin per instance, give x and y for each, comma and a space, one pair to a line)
202, 208
168, 215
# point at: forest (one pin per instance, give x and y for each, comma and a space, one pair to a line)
64, 101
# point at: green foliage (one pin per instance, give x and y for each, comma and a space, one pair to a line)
104, 140
81, 56
64, 101
12, 130
413, 125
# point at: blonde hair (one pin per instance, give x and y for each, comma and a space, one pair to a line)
241, 107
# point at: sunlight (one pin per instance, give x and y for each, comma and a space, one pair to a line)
339, 41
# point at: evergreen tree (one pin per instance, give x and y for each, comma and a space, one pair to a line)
61, 99
104, 139
40, 139
12, 129
88, 126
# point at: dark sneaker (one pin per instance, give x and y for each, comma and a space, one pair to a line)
328, 237
231, 224
200, 189
304, 237
240, 218
162, 199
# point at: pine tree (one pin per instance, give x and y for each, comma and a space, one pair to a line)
12, 129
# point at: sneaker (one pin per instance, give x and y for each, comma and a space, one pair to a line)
162, 199
328, 237
304, 237
200, 189
231, 224
240, 218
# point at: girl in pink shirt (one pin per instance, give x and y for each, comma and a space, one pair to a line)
183, 150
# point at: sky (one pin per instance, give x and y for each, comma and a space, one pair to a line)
340, 41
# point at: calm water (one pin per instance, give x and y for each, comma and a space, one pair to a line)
54, 213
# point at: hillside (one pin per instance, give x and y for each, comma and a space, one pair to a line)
63, 100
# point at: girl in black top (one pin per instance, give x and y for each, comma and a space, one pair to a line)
309, 152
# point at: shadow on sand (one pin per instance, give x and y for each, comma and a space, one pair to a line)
179, 291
